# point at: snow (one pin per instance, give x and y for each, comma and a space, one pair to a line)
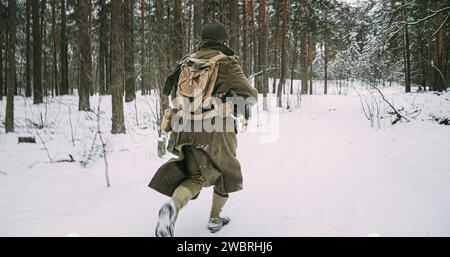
326, 172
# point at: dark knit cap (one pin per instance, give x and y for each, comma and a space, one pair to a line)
215, 31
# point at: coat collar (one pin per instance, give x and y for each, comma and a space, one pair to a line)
210, 44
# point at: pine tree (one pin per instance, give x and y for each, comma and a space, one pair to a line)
128, 37
11, 55
103, 48
1, 51
439, 68
263, 51
56, 86
86, 76
37, 53
144, 89
406, 53
118, 123
64, 52
28, 60
284, 60
233, 16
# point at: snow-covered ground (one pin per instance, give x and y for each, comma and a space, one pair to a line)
327, 173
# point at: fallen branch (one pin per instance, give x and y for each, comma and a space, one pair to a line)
394, 110
28, 140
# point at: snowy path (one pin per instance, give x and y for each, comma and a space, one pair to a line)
329, 174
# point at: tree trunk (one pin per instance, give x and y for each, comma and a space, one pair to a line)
284, 61
263, 53
45, 77
1, 52
304, 61
27, 49
294, 61
86, 76
423, 67
439, 69
179, 30
326, 54
311, 48
37, 53
198, 18
275, 62
11, 55
161, 58
118, 125
234, 25
64, 62
103, 49
254, 43
54, 51
108, 55
130, 77
407, 54
245, 53
144, 89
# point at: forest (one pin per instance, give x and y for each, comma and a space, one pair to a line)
123, 48
349, 137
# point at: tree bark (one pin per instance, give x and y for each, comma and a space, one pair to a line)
27, 49
11, 55
276, 40
45, 59
439, 69
64, 62
407, 54
1, 52
284, 61
311, 48
304, 61
144, 89
102, 48
118, 125
263, 51
198, 21
326, 54
254, 43
128, 33
162, 61
54, 51
86, 76
234, 25
179, 30
245, 52
37, 53
108, 54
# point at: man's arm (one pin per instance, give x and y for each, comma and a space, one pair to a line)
239, 83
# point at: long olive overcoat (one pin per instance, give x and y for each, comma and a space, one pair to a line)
215, 152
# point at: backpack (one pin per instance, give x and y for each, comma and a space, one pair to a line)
195, 79
196, 83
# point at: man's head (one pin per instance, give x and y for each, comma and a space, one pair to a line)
216, 32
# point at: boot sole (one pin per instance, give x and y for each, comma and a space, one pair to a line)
166, 222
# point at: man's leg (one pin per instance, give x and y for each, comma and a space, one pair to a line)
192, 186
216, 223
182, 195
219, 201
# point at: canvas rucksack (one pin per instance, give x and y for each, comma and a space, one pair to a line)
196, 81
195, 87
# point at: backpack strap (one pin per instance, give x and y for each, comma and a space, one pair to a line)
217, 58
